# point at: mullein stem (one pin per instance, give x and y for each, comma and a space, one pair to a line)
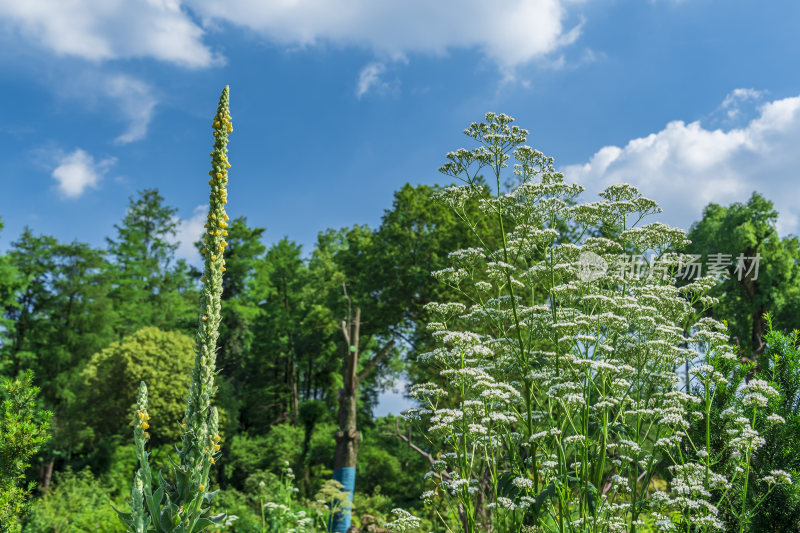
180, 507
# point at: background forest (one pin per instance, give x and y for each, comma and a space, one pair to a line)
88, 324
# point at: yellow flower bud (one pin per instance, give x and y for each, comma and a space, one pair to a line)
216, 447
145, 425
146, 435
204, 318
212, 460
213, 257
201, 487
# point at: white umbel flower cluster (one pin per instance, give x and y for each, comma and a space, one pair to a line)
556, 377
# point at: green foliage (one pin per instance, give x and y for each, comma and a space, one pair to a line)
62, 316
748, 229
77, 503
11, 284
23, 430
150, 287
293, 354
780, 509
557, 395
388, 466
242, 511
269, 452
109, 380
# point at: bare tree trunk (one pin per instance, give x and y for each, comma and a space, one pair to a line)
348, 437
45, 474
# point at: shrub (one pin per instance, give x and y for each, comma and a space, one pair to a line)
250, 453
23, 430
77, 502
110, 380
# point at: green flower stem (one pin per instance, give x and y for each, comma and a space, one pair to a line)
180, 507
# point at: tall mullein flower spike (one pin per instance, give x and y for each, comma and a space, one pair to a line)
199, 435
180, 505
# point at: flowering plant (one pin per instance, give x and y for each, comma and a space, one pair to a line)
179, 503
557, 400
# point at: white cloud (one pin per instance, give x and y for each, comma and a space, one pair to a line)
734, 100
135, 101
510, 33
190, 231
686, 166
77, 171
370, 77
100, 30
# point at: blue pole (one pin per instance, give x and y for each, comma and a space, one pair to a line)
340, 522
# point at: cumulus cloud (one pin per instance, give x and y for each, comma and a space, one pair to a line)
100, 30
510, 33
78, 170
190, 230
686, 166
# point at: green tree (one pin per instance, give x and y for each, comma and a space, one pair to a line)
109, 383
31, 257
280, 338
747, 230
11, 285
151, 287
23, 430
388, 270
62, 316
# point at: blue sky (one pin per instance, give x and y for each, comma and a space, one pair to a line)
336, 105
